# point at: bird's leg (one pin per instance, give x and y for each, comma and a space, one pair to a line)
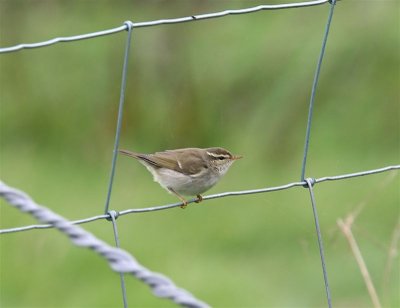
199, 199
184, 201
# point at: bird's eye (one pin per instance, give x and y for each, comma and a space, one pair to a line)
221, 158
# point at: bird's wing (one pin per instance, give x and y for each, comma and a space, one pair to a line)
173, 160
160, 160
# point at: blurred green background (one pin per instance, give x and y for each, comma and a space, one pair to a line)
241, 82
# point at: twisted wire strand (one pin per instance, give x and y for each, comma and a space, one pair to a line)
127, 25
118, 259
209, 197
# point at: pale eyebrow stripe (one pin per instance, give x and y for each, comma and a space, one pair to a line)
218, 155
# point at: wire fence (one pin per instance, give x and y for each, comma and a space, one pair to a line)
130, 24
209, 197
120, 260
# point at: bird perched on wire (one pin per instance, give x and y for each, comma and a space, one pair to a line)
186, 172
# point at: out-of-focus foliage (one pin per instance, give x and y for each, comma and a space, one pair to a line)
241, 82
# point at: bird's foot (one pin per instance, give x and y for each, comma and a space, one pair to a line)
184, 204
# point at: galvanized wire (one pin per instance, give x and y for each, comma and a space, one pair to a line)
127, 25
118, 259
314, 90
209, 197
306, 147
113, 217
161, 285
120, 112
113, 214
310, 184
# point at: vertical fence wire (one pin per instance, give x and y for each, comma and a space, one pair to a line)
310, 183
115, 152
306, 147
113, 217
120, 112
314, 89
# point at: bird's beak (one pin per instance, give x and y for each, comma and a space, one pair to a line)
236, 157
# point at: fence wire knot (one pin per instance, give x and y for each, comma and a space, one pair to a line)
112, 215
129, 25
310, 182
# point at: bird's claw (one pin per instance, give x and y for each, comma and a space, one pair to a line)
199, 199
184, 204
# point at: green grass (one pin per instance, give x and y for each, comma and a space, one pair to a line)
242, 82
247, 251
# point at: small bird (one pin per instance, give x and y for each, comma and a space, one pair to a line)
189, 171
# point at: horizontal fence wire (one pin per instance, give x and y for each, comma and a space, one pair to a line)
129, 24
209, 197
118, 259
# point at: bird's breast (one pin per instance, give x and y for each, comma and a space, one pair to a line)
184, 184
